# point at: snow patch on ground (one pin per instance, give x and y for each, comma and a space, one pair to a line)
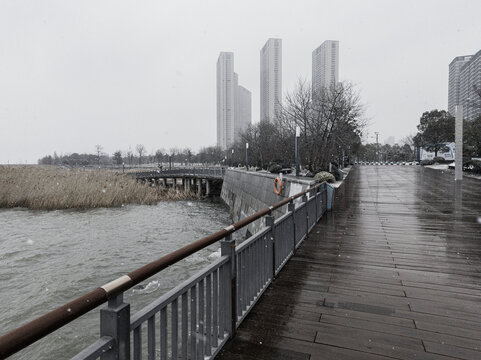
438, 166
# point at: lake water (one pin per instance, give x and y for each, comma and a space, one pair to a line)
50, 258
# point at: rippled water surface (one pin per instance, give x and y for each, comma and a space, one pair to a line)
50, 258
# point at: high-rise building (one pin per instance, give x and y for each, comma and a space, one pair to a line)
454, 81
233, 103
225, 99
325, 65
470, 87
244, 112
271, 79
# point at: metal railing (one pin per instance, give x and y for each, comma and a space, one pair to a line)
197, 317
213, 172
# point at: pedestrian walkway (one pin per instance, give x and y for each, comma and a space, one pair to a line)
394, 272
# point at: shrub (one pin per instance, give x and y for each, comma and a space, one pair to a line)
325, 176
427, 162
439, 159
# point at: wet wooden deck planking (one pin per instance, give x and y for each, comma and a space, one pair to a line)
394, 272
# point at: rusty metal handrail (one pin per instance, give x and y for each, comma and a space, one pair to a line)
44, 325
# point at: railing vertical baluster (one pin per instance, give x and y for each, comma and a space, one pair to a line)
208, 314
185, 329
151, 338
115, 322
138, 343
215, 323
200, 348
163, 333
222, 300
251, 274
269, 219
175, 329
256, 268
265, 257
239, 284
228, 249
245, 270
193, 322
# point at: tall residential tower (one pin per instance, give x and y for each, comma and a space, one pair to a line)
225, 99
464, 85
271, 79
233, 103
325, 65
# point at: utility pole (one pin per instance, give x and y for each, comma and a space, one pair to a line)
298, 136
377, 145
458, 162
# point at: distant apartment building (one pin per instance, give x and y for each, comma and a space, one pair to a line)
325, 65
243, 111
233, 102
225, 99
271, 79
454, 81
464, 80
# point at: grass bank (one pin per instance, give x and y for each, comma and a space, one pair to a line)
51, 188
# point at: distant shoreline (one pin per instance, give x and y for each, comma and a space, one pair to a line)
52, 188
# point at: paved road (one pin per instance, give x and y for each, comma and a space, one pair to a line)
393, 273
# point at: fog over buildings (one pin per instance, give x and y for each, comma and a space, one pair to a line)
116, 73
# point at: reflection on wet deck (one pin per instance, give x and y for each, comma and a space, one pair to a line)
394, 272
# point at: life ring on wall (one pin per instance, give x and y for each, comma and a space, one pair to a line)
278, 186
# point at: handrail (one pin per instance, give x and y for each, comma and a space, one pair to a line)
29, 333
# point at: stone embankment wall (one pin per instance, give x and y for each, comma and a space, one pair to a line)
247, 192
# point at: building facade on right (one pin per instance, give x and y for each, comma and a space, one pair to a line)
271, 79
325, 65
465, 85
454, 81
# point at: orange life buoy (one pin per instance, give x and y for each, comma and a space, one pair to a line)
278, 185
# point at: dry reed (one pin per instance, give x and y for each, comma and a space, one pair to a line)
50, 188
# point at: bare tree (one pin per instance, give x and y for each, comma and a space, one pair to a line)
140, 150
331, 120
158, 157
117, 157
98, 150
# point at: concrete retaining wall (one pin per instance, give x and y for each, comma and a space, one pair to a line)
246, 192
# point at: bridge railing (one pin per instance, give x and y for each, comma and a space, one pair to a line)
215, 172
197, 317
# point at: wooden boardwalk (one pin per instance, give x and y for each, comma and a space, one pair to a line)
394, 272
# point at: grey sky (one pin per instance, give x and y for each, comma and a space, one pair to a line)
118, 73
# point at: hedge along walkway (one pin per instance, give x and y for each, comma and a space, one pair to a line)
393, 273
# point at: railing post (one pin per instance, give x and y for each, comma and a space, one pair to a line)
227, 247
314, 194
115, 322
291, 207
304, 200
270, 223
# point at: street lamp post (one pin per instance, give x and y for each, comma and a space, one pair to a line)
458, 159
247, 156
232, 158
298, 136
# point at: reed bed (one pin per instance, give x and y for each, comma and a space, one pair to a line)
51, 188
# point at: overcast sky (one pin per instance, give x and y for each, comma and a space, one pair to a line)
74, 74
